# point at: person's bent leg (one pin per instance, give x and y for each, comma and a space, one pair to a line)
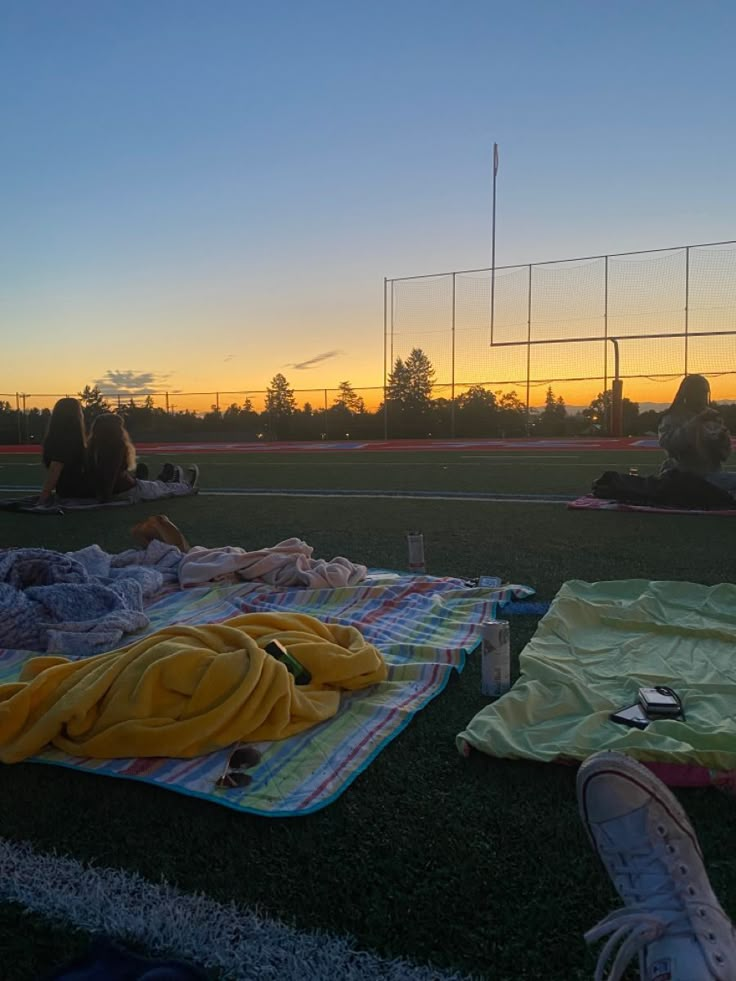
671, 920
155, 490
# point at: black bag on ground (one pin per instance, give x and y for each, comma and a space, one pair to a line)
674, 489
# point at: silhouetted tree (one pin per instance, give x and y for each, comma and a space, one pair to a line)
93, 402
409, 394
280, 407
598, 414
280, 399
512, 414
476, 412
551, 420
349, 399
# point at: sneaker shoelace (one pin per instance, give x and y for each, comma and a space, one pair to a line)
630, 930
639, 923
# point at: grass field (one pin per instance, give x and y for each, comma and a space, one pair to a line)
477, 865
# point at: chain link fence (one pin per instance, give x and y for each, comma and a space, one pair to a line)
637, 321
646, 318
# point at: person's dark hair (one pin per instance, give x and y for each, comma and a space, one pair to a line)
65, 439
108, 439
690, 387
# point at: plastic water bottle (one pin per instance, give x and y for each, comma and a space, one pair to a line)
495, 657
415, 540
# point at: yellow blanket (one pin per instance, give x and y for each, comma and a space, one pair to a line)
185, 691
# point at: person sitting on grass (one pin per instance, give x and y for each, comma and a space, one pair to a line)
693, 435
65, 453
112, 467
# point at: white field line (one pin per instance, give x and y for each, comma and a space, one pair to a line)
366, 495
236, 941
377, 495
521, 456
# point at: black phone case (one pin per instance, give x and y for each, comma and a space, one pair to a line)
631, 723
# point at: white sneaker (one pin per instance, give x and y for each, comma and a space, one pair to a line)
672, 920
192, 477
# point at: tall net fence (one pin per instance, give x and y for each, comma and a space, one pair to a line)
573, 325
493, 344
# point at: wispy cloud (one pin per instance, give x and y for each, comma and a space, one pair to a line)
133, 382
228, 357
311, 362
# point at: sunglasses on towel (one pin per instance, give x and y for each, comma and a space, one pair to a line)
241, 759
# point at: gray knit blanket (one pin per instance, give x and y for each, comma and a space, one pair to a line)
79, 603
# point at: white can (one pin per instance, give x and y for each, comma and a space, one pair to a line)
495, 657
415, 540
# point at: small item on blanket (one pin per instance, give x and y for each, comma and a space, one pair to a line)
300, 673
417, 562
495, 658
523, 608
241, 759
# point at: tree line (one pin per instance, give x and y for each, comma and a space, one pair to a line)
409, 411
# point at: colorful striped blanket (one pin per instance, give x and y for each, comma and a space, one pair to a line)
423, 626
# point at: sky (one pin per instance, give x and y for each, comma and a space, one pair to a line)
196, 196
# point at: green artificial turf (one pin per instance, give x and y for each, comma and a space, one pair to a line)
476, 864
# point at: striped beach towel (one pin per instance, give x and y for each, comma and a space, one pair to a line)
423, 626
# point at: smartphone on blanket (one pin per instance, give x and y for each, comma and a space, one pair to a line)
653, 704
633, 716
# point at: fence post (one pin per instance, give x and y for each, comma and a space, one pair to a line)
687, 303
605, 328
391, 359
326, 423
617, 406
385, 351
452, 393
616, 426
17, 418
529, 353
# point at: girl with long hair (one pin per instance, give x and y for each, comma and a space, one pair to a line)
693, 434
111, 457
64, 453
111, 461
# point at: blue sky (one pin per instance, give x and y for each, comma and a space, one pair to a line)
185, 183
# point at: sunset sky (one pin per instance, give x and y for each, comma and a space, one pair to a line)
195, 196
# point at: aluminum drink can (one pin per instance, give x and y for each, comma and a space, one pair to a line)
415, 540
495, 657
